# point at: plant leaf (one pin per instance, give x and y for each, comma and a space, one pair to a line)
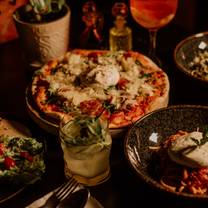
60, 4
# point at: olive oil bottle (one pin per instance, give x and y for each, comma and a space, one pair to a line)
120, 37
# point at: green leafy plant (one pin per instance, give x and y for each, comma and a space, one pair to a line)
42, 10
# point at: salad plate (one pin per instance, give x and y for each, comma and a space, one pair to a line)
21, 157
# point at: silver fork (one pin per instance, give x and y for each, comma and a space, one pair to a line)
61, 193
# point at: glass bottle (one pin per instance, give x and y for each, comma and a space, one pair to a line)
91, 37
120, 37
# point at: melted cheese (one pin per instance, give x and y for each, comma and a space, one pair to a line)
147, 89
78, 95
75, 64
133, 87
105, 75
60, 81
130, 66
96, 77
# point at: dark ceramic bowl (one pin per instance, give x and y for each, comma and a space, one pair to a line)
185, 52
153, 129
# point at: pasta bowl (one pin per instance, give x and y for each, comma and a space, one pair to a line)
148, 133
191, 57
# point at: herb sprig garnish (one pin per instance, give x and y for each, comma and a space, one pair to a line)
109, 106
204, 138
198, 143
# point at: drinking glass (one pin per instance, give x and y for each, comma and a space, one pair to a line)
152, 15
86, 144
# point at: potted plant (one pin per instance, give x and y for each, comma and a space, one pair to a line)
43, 28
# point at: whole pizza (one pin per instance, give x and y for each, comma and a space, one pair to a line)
120, 86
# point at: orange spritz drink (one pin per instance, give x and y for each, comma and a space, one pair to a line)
152, 15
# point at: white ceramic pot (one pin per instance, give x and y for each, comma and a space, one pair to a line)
44, 41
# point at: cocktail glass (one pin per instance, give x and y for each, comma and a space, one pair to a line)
152, 15
86, 144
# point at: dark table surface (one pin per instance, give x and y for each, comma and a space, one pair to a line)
123, 189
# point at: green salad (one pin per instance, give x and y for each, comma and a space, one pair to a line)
21, 159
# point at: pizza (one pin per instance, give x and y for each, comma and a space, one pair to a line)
119, 86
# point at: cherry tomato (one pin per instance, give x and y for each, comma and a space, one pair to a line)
27, 156
91, 107
122, 83
9, 162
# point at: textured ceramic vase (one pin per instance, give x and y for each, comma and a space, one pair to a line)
42, 42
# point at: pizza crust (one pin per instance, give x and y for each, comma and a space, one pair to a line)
162, 101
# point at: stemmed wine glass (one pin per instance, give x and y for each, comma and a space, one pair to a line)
152, 15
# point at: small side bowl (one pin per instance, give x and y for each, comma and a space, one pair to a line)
152, 130
187, 49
